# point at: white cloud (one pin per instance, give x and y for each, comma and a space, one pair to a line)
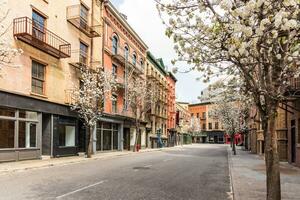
143, 17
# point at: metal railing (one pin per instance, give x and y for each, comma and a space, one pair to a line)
83, 24
34, 34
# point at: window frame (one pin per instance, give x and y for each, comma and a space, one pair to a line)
39, 79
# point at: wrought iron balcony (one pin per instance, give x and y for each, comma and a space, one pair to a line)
25, 30
122, 57
79, 59
74, 17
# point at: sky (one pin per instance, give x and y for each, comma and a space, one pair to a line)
142, 15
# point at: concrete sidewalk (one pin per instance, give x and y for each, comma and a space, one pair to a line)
10, 167
248, 177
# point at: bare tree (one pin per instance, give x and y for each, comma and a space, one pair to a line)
258, 39
7, 51
88, 98
141, 96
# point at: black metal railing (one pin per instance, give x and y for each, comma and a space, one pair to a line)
36, 35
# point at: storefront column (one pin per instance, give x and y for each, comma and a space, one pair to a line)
120, 130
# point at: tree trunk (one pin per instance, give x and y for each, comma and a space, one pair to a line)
137, 128
272, 158
90, 143
233, 144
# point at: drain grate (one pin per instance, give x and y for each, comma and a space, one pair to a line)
143, 168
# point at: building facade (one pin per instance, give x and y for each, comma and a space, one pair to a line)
211, 128
124, 55
183, 122
35, 117
171, 110
157, 115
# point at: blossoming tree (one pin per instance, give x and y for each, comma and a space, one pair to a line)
257, 38
88, 98
7, 51
141, 96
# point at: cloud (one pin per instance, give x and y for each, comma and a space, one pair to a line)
143, 17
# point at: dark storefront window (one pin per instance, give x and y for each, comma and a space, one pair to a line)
67, 135
7, 133
27, 134
8, 112
107, 139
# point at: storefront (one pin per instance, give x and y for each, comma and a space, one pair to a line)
19, 134
30, 128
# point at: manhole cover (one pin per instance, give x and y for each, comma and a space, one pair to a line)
141, 168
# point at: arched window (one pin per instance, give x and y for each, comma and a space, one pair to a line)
114, 44
126, 49
134, 59
142, 63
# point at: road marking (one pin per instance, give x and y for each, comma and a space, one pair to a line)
80, 189
148, 166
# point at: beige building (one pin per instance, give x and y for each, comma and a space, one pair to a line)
56, 38
157, 116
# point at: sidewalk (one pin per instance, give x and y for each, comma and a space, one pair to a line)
248, 177
10, 167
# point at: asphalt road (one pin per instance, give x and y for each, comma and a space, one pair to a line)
188, 173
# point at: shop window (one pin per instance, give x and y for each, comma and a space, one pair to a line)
28, 115
106, 125
38, 78
66, 135
7, 112
107, 140
115, 139
98, 143
7, 133
298, 131
27, 134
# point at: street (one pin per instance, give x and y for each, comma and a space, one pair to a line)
197, 171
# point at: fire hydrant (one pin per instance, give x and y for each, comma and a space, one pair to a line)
138, 147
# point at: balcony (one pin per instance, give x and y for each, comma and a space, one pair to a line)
74, 18
79, 59
119, 54
69, 97
40, 38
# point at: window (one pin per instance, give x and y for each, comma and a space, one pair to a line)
7, 133
38, 78
134, 59
114, 104
66, 135
38, 26
217, 125
210, 126
114, 45
203, 115
126, 52
142, 63
83, 54
83, 16
204, 126
27, 134
197, 115
114, 71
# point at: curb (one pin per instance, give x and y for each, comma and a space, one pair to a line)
230, 173
81, 160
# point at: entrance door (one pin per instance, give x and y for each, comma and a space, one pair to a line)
293, 141
126, 139
216, 139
